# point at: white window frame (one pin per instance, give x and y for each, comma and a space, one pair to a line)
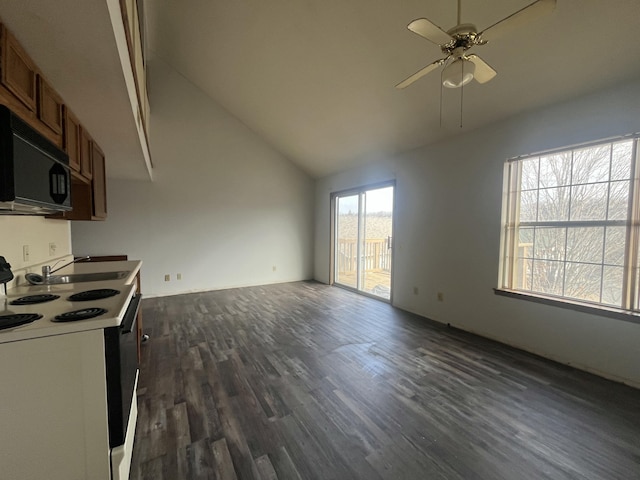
630, 305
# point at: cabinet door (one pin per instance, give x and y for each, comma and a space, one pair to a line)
72, 139
81, 200
99, 183
49, 106
86, 166
18, 71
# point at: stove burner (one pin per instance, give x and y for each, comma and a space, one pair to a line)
33, 299
93, 295
83, 314
16, 319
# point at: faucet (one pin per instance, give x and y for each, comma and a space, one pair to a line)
47, 269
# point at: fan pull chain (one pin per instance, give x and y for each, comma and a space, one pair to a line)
461, 97
441, 90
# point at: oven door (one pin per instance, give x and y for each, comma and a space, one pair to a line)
121, 353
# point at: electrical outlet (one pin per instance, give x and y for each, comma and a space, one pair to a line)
179, 276
52, 249
415, 290
25, 253
167, 278
440, 297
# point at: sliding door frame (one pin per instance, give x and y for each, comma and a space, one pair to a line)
332, 237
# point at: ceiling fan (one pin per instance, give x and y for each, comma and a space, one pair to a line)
462, 67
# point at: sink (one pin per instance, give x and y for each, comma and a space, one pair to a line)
88, 277
35, 279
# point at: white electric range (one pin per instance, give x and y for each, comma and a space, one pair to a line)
106, 308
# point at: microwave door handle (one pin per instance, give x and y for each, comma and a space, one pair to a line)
58, 184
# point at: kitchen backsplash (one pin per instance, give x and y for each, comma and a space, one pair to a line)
27, 242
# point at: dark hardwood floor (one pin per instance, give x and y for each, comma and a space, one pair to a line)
306, 381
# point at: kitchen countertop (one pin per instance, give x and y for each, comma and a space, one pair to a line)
116, 306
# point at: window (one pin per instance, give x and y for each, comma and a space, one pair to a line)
571, 228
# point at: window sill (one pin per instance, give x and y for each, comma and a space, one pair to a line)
610, 312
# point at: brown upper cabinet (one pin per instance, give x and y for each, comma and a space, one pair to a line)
79, 146
99, 184
86, 165
72, 139
49, 106
18, 70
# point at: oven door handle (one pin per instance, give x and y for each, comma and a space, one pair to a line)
131, 314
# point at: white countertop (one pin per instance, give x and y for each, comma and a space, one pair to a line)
116, 306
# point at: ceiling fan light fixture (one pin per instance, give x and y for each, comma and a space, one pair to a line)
458, 73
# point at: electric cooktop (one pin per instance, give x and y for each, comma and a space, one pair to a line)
59, 309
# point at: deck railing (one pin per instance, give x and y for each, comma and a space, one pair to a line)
376, 255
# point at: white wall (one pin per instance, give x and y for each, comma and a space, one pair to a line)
224, 207
448, 208
38, 233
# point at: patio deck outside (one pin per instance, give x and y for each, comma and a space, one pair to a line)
376, 263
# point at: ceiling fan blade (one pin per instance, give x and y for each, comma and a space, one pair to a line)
483, 72
430, 31
420, 73
518, 19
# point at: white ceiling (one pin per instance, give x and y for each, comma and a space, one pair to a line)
315, 78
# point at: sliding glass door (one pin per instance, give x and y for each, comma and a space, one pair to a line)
363, 239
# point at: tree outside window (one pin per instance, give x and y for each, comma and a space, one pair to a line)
571, 224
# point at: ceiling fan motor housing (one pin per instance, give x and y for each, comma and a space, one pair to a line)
464, 36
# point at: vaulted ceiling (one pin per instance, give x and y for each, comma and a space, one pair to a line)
315, 78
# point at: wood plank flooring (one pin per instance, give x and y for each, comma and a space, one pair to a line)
306, 381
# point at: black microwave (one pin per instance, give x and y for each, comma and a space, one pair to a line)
34, 173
